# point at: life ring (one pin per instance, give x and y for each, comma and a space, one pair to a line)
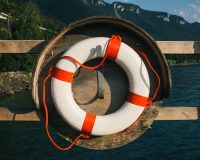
130, 111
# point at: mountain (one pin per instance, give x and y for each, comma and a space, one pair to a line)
40, 19
53, 13
160, 25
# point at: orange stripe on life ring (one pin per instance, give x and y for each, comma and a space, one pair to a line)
88, 123
139, 100
62, 75
113, 47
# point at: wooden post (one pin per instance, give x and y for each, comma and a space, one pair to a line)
100, 78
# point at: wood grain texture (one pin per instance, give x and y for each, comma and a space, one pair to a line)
21, 46
36, 46
179, 47
178, 113
7, 115
165, 113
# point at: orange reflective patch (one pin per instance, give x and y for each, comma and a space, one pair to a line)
62, 75
113, 47
88, 123
139, 100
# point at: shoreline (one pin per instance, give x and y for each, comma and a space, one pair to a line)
184, 64
14, 82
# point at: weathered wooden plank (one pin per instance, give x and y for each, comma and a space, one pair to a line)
179, 47
178, 113
165, 113
7, 115
35, 46
21, 46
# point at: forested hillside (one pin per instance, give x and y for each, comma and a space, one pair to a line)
23, 21
160, 25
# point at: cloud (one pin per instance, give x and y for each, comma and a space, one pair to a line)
191, 12
196, 7
196, 17
125, 1
182, 13
196, 10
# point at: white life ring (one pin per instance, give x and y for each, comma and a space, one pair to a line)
139, 87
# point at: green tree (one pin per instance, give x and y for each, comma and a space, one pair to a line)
4, 34
24, 22
24, 26
27, 25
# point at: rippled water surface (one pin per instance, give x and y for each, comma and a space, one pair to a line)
172, 140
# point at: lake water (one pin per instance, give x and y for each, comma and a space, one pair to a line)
172, 140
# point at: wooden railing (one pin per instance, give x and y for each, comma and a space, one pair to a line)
35, 46
167, 47
165, 114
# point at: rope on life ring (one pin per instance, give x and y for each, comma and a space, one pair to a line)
115, 42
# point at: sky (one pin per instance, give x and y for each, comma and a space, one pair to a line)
188, 9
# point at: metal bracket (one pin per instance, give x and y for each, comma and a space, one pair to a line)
100, 78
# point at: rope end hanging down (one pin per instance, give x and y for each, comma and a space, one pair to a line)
47, 118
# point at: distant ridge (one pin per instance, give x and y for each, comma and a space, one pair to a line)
160, 25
